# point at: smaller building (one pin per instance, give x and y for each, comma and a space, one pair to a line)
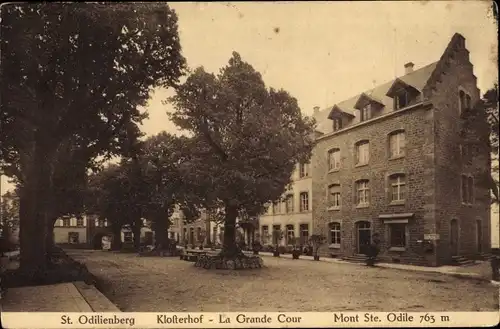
292, 215
71, 230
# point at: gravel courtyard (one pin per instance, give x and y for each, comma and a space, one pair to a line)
156, 284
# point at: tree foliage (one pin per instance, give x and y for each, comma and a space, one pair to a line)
481, 131
248, 139
76, 74
151, 185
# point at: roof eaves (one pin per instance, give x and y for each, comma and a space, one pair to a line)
337, 109
399, 82
369, 97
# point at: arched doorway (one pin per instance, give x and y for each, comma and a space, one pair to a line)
454, 237
479, 236
364, 236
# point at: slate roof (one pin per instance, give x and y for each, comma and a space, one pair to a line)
417, 79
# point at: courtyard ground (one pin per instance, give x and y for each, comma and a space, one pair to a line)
154, 284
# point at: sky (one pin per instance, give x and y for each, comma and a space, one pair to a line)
325, 52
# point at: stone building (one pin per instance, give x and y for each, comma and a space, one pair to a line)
393, 165
88, 231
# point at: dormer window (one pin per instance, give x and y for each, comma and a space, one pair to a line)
368, 106
366, 112
401, 99
403, 94
337, 124
339, 118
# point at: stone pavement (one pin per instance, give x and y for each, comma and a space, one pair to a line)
62, 297
479, 271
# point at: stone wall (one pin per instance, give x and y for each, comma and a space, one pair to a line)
416, 165
457, 74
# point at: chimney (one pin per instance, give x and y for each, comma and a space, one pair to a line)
316, 109
409, 67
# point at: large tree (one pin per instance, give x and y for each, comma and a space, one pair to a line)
480, 128
248, 140
165, 161
149, 185
76, 75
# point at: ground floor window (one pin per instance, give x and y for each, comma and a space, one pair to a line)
221, 235
127, 237
265, 234
276, 234
73, 237
184, 234
148, 238
335, 233
198, 234
290, 234
397, 235
304, 233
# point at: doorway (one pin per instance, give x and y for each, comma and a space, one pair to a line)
454, 237
479, 238
364, 237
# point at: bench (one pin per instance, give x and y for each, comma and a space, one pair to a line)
193, 255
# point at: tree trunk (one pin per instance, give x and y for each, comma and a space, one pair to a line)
116, 242
136, 230
160, 227
49, 239
34, 209
229, 247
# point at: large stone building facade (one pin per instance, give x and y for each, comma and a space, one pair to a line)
394, 165
292, 215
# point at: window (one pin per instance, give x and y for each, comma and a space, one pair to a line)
79, 221
214, 234
397, 144
303, 170
334, 159
276, 206
363, 193
466, 153
221, 235
73, 237
362, 152
290, 234
198, 234
276, 234
289, 203
366, 112
265, 234
304, 233
401, 100
470, 185
191, 235
128, 237
468, 102
334, 196
461, 101
335, 233
467, 188
66, 221
397, 233
337, 124
398, 187
304, 201
184, 234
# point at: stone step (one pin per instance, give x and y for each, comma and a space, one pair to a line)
357, 258
462, 261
